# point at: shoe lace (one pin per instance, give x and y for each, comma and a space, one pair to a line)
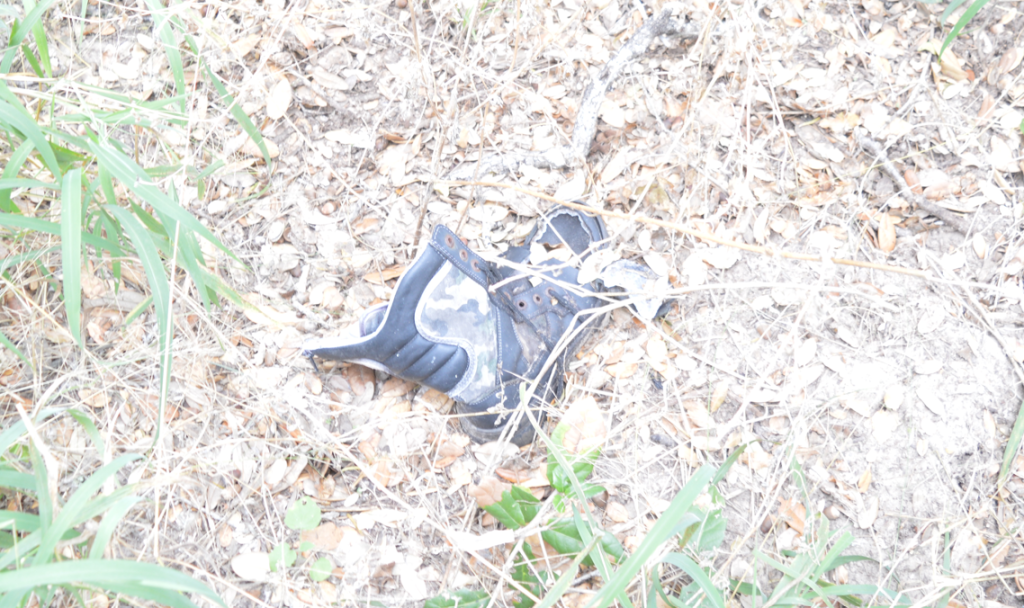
501, 298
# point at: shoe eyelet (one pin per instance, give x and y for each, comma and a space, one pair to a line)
550, 292
463, 255
474, 266
536, 298
521, 303
448, 240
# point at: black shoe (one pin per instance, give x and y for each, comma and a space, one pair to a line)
478, 331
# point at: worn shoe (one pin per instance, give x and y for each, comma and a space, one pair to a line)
477, 330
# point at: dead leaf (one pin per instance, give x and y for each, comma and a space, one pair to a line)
616, 512
718, 395
721, 257
886, 232
587, 428
869, 513
327, 536
931, 400
980, 245
893, 397
793, 513
253, 567
387, 274
621, 370
488, 492
265, 315
245, 44
94, 397
865, 481
279, 100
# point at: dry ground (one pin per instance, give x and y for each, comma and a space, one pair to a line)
893, 393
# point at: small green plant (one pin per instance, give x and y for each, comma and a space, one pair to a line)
42, 548
673, 553
304, 514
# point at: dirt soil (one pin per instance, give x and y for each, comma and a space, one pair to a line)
878, 401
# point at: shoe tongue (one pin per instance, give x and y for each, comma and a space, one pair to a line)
565, 228
372, 319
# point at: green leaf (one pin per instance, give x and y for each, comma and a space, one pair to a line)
523, 574
45, 70
952, 6
10, 172
129, 173
516, 508
709, 531
462, 598
304, 514
320, 569
282, 557
565, 536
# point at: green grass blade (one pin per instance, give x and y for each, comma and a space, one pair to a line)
162, 21
42, 495
16, 481
71, 250
1012, 446
562, 584
6, 343
155, 272
832, 559
14, 220
72, 511
18, 182
128, 172
90, 428
41, 44
22, 522
110, 520
955, 4
969, 14
17, 119
240, 116
698, 575
19, 31
11, 170
103, 573
660, 532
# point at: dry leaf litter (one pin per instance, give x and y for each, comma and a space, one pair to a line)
823, 129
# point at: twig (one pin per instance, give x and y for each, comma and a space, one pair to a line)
669, 22
875, 149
